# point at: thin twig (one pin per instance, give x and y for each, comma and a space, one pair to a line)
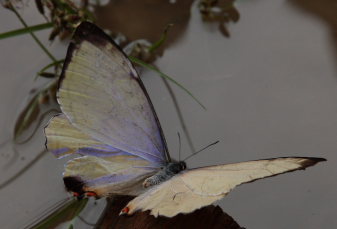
23, 170
180, 115
153, 68
33, 35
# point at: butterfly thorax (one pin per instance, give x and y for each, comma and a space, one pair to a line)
165, 173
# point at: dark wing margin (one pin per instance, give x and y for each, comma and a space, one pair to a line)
193, 189
90, 32
309, 161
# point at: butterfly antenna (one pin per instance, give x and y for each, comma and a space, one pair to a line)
201, 150
179, 144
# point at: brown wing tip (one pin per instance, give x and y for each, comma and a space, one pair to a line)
92, 33
89, 32
310, 161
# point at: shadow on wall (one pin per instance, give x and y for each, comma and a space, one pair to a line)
145, 19
326, 10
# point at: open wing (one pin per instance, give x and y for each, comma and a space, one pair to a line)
117, 175
102, 170
102, 95
193, 189
62, 139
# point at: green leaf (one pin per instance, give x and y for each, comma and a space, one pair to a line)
47, 74
64, 213
26, 30
162, 39
42, 71
151, 67
51, 65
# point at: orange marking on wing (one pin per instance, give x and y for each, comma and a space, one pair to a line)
76, 194
90, 194
125, 210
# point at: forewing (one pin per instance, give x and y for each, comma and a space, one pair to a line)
62, 139
102, 95
193, 189
117, 175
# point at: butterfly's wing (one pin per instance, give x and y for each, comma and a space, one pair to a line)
102, 95
101, 169
108, 117
117, 175
62, 139
193, 189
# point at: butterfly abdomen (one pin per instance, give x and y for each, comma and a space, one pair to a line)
164, 174
157, 178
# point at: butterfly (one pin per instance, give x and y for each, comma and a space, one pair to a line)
108, 119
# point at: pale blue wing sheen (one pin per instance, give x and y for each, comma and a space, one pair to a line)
116, 175
102, 95
102, 169
62, 139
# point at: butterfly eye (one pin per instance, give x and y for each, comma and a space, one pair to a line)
183, 165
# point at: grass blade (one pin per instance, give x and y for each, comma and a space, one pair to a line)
162, 39
151, 67
22, 31
64, 213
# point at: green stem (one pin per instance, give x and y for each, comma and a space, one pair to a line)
148, 66
56, 63
162, 39
33, 35
25, 30
51, 65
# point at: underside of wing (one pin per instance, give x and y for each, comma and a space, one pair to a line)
101, 169
117, 175
193, 189
169, 199
62, 139
102, 95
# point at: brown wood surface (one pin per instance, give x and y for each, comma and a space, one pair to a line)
210, 217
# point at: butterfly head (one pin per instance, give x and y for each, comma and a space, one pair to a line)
182, 165
176, 167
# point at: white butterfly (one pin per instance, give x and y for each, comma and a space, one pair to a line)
110, 121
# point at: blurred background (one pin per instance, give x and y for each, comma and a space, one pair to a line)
264, 70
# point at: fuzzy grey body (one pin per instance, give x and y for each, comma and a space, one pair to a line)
165, 173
